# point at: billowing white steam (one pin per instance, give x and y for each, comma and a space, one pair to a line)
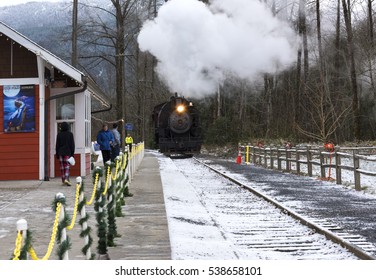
198, 46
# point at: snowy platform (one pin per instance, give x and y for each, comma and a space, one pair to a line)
143, 229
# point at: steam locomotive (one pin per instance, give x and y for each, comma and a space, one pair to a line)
177, 127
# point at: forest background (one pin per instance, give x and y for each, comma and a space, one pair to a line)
327, 93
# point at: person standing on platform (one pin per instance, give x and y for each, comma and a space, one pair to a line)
115, 147
129, 142
64, 150
105, 138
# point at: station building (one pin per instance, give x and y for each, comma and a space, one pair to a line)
38, 91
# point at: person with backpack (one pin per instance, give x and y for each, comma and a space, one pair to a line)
64, 150
115, 147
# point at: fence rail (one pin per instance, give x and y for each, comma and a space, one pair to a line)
292, 160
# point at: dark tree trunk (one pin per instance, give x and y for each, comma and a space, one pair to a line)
319, 38
74, 33
353, 74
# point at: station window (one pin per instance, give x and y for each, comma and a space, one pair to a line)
65, 108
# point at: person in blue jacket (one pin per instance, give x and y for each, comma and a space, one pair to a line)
105, 139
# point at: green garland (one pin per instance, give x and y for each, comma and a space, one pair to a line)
100, 202
65, 245
126, 189
86, 232
25, 248
27, 245
112, 228
119, 198
120, 192
126, 192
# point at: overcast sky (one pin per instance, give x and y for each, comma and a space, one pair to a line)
16, 2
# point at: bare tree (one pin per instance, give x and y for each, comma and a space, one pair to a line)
353, 74
74, 33
108, 35
319, 37
323, 118
301, 78
371, 45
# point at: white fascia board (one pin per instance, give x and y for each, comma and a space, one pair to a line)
97, 93
19, 81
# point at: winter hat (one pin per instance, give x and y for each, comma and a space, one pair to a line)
64, 126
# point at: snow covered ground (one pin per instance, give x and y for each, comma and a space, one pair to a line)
204, 221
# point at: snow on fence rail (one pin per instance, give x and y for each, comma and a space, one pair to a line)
351, 159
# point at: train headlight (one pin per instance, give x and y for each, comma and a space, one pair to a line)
180, 109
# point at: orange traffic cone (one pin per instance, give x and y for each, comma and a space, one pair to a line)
239, 158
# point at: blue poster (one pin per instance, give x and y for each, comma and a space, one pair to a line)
19, 108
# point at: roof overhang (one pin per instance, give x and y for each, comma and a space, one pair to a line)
56, 62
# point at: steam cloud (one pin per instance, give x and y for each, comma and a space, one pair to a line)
197, 46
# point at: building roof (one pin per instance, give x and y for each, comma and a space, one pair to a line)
55, 61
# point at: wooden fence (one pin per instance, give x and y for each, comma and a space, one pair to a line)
292, 160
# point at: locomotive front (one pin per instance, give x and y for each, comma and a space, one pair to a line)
177, 127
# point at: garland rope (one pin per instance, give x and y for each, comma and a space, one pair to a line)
71, 226
17, 249
94, 189
116, 170
32, 252
119, 189
107, 180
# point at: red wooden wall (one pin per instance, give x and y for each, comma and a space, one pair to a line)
19, 152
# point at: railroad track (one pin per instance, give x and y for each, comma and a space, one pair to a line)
260, 227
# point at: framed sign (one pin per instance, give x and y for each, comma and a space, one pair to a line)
19, 108
128, 126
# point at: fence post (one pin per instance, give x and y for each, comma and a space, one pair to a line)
260, 157
338, 168
63, 238
254, 154
356, 173
120, 186
85, 233
297, 161
111, 217
271, 159
99, 207
279, 159
22, 227
288, 156
309, 163
322, 167
265, 158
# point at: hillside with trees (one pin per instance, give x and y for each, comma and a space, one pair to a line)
328, 93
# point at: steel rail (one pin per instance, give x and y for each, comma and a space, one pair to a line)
356, 250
